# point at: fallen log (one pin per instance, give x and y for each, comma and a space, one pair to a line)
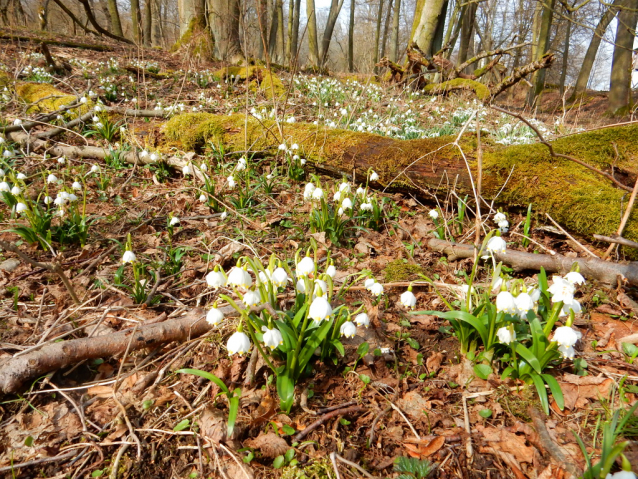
5, 35
591, 268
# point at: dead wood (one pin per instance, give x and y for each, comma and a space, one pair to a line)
592, 268
5, 35
617, 239
339, 412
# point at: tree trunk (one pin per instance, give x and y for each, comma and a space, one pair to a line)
43, 14
466, 47
335, 9
440, 29
313, 44
545, 30
620, 88
262, 20
295, 30
429, 18
291, 15
377, 35
592, 50
386, 29
281, 32
563, 73
189, 11
394, 42
147, 23
104, 8
156, 33
351, 38
224, 19
274, 25
115, 17
136, 20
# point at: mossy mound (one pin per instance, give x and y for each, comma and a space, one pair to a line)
401, 270
260, 79
43, 97
194, 130
5, 80
481, 91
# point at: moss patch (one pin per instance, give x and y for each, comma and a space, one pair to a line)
43, 97
401, 270
481, 91
197, 40
260, 79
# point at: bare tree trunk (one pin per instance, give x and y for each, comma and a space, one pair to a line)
563, 73
394, 42
136, 17
147, 23
313, 44
43, 14
377, 35
156, 33
468, 18
104, 8
115, 17
335, 9
291, 15
386, 28
189, 10
429, 18
224, 19
620, 88
274, 25
351, 38
262, 20
295, 30
542, 41
592, 50
281, 32
440, 29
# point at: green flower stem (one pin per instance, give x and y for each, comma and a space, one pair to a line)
553, 317
258, 346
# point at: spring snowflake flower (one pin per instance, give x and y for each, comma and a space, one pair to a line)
283, 147
362, 320
2, 173
216, 279
231, 181
498, 217
348, 329
506, 302
408, 300
128, 257
154, 157
433, 214
95, 119
561, 290
569, 306
48, 200
305, 267
62, 160
320, 309
496, 244
59, 201
77, 186
506, 336
17, 122
20, 207
567, 352
345, 188
331, 271
143, 154
368, 283
621, 475
308, 191
575, 277
374, 176
214, 316
21, 176
83, 100
16, 190
346, 204
224, 215
202, 198
302, 161
294, 146
566, 336
376, 289
203, 167
366, 207
174, 221
72, 198
503, 226
187, 170
7, 154
240, 277
95, 169
524, 303
279, 277
317, 194
238, 343
251, 298
337, 197
272, 337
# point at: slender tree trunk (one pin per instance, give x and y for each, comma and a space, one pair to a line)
452, 31
620, 88
467, 32
291, 15
262, 20
156, 33
351, 38
43, 14
274, 25
313, 44
147, 23
520, 33
377, 34
542, 41
115, 17
440, 29
335, 9
386, 28
136, 17
281, 33
568, 31
224, 19
295, 30
427, 20
592, 50
394, 42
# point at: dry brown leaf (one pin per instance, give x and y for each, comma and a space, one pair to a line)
425, 448
100, 391
213, 424
433, 363
269, 444
510, 443
578, 390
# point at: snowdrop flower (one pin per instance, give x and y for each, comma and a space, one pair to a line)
240, 277
216, 279
575, 277
408, 300
362, 320
48, 200
62, 160
567, 352
202, 198
305, 267
366, 207
52, 178
360, 191
174, 221
346, 204
21, 176
320, 309
498, 217
566, 336
154, 157
302, 161
496, 244
20, 207
128, 257
76, 185
203, 167
340, 211
224, 215
238, 343
240, 166
317, 194
59, 201
524, 303
251, 298
17, 122
187, 170
348, 329
231, 181
279, 277
72, 197
331, 271
506, 302
374, 176
506, 336
16, 190
433, 214
95, 169
272, 337
1, 140
294, 146
377, 289
264, 277
337, 197
7, 154
214, 316
621, 475
95, 119
561, 290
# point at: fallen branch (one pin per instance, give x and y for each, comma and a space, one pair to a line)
339, 412
550, 446
593, 268
617, 239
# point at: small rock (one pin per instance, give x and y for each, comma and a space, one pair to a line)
10, 264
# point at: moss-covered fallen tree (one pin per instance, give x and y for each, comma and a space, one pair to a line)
577, 197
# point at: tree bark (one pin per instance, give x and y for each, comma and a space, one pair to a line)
386, 29
136, 21
295, 30
281, 31
148, 23
440, 29
291, 15
262, 21
274, 26
96, 25
620, 88
394, 42
466, 47
115, 17
313, 44
189, 11
43, 14
351, 38
335, 9
156, 32
563, 73
429, 18
224, 19
377, 34
545, 30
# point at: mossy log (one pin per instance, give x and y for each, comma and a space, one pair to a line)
580, 199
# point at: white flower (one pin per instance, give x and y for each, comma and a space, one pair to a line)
566, 336
272, 337
320, 286
61, 160
496, 244
59, 201
568, 306
187, 170
408, 300
76, 185
251, 298
346, 204
214, 316
20, 207
279, 277
294, 146
362, 320
231, 181
16, 190
337, 197
202, 198
238, 343
95, 169
7, 153
317, 194
498, 217
128, 256
21, 176
345, 187
331, 271
300, 286
224, 215
240, 166
622, 475
264, 277
567, 352
433, 214
2, 173
305, 267
368, 283
374, 176
376, 289
302, 161
95, 119
535, 294
320, 309
524, 303
575, 278
505, 302
282, 147
143, 154
348, 329
154, 157
17, 122
83, 100
340, 211
561, 290
203, 167
174, 221
48, 200
72, 197
240, 277
506, 336
503, 225
216, 279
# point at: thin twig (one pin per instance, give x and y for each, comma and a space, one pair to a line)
466, 419
571, 237
352, 464
334, 464
396, 408
339, 412
625, 218
617, 239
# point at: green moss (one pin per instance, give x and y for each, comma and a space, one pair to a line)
271, 84
193, 130
5, 79
318, 469
401, 270
482, 92
196, 39
43, 97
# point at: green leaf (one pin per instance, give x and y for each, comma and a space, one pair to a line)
629, 349
542, 393
364, 378
279, 462
344, 422
233, 409
482, 370
527, 355
290, 454
485, 413
339, 347
182, 425
506, 373
413, 343
465, 317
556, 390
286, 391
206, 375
363, 349
28, 441
288, 430
97, 473
312, 343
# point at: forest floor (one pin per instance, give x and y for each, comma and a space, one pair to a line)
413, 396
